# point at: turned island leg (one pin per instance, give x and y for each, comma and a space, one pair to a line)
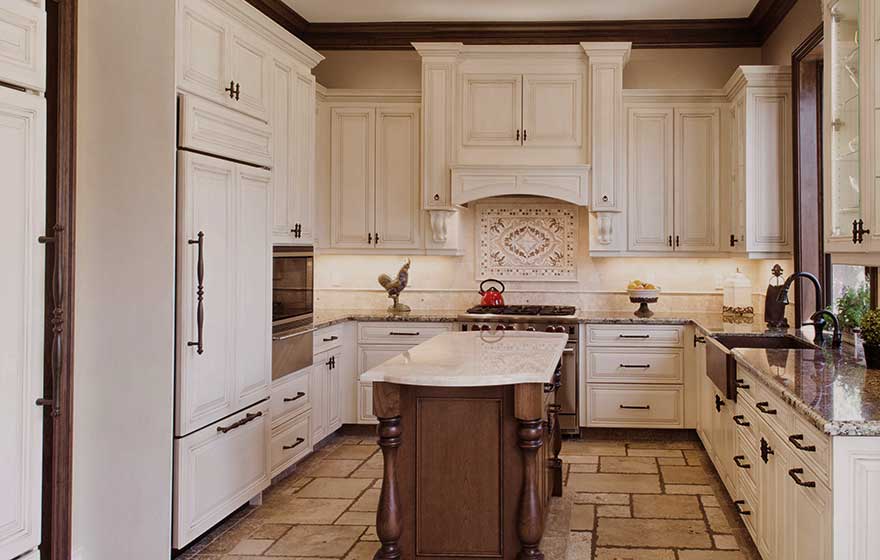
556, 462
389, 517
530, 525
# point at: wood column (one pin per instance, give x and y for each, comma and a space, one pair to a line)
528, 406
389, 516
556, 462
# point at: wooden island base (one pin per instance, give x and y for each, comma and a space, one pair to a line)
468, 470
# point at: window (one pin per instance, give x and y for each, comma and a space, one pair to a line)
851, 293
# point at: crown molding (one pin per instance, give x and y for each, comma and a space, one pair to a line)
751, 31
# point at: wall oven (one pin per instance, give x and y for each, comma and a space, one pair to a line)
292, 309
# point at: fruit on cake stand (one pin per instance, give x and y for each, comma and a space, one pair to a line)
643, 293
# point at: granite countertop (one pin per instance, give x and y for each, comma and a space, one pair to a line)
832, 388
475, 359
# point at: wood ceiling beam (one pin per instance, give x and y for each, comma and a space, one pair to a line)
702, 33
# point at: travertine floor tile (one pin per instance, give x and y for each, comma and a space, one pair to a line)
614, 483
340, 468
709, 555
654, 453
252, 546
316, 540
363, 551
593, 498
709, 501
633, 554
671, 461
580, 545
650, 444
717, 520
666, 507
612, 511
335, 487
309, 510
364, 518
579, 459
582, 517
367, 472
584, 467
605, 449
352, 452
727, 542
272, 531
369, 501
656, 533
370, 534
688, 489
630, 465
684, 475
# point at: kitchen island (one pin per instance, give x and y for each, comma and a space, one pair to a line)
470, 443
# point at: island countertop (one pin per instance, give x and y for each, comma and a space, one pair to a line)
475, 359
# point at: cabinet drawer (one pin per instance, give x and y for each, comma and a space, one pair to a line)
747, 388
217, 469
23, 44
746, 420
290, 395
291, 442
634, 405
327, 339
749, 456
211, 128
748, 508
810, 446
773, 411
635, 335
365, 403
611, 365
399, 333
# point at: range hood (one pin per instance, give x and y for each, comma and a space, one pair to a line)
569, 183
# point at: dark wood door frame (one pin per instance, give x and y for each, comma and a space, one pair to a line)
809, 246
60, 219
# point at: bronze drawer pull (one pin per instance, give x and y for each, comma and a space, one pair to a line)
719, 402
766, 451
793, 473
331, 339
299, 441
393, 333
634, 336
740, 462
740, 384
299, 395
633, 407
249, 417
764, 407
740, 510
635, 366
796, 441
741, 420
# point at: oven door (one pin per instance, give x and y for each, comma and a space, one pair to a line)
567, 396
292, 287
292, 351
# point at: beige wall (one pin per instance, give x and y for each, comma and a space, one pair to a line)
370, 70
124, 308
804, 17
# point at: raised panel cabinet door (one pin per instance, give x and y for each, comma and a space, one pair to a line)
492, 110
253, 313
398, 213
303, 198
769, 169
22, 220
352, 177
203, 34
334, 392
23, 44
283, 123
250, 67
320, 369
650, 178
773, 482
808, 519
736, 241
206, 379
553, 106
697, 179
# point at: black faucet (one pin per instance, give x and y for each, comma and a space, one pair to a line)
818, 318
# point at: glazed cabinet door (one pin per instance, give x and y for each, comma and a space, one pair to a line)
491, 110
398, 223
303, 197
697, 179
203, 34
23, 44
207, 299
736, 194
808, 518
250, 67
552, 110
774, 480
319, 387
253, 286
651, 178
352, 177
22, 221
334, 392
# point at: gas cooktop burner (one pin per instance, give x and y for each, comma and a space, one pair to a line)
529, 310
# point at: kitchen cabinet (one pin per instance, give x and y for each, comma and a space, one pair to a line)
293, 123
522, 110
224, 249
674, 178
23, 40
374, 177
327, 388
222, 59
22, 298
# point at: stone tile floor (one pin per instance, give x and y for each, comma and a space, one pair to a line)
623, 500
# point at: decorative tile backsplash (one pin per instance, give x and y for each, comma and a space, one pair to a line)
527, 241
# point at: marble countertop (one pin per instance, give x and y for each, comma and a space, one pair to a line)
832, 388
475, 359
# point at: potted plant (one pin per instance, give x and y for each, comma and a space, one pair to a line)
871, 337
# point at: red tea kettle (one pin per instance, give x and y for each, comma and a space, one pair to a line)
492, 297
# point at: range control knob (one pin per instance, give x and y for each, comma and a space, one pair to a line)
484, 328
549, 329
530, 329
560, 329
500, 328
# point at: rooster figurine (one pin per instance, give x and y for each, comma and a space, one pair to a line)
396, 286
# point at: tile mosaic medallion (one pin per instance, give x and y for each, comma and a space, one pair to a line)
527, 241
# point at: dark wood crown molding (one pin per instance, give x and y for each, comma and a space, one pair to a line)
751, 31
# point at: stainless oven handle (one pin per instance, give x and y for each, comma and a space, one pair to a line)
568, 350
310, 254
292, 334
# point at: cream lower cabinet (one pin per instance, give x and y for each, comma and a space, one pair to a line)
673, 178
374, 177
326, 383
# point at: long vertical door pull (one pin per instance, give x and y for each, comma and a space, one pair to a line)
53, 399
200, 293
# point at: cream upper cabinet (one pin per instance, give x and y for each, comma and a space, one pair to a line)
23, 44
650, 176
491, 109
553, 108
222, 60
697, 178
374, 177
293, 123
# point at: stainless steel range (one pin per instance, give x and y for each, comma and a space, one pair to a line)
539, 318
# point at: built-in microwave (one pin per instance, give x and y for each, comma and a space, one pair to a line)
292, 287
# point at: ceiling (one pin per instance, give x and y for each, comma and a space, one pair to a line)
337, 11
